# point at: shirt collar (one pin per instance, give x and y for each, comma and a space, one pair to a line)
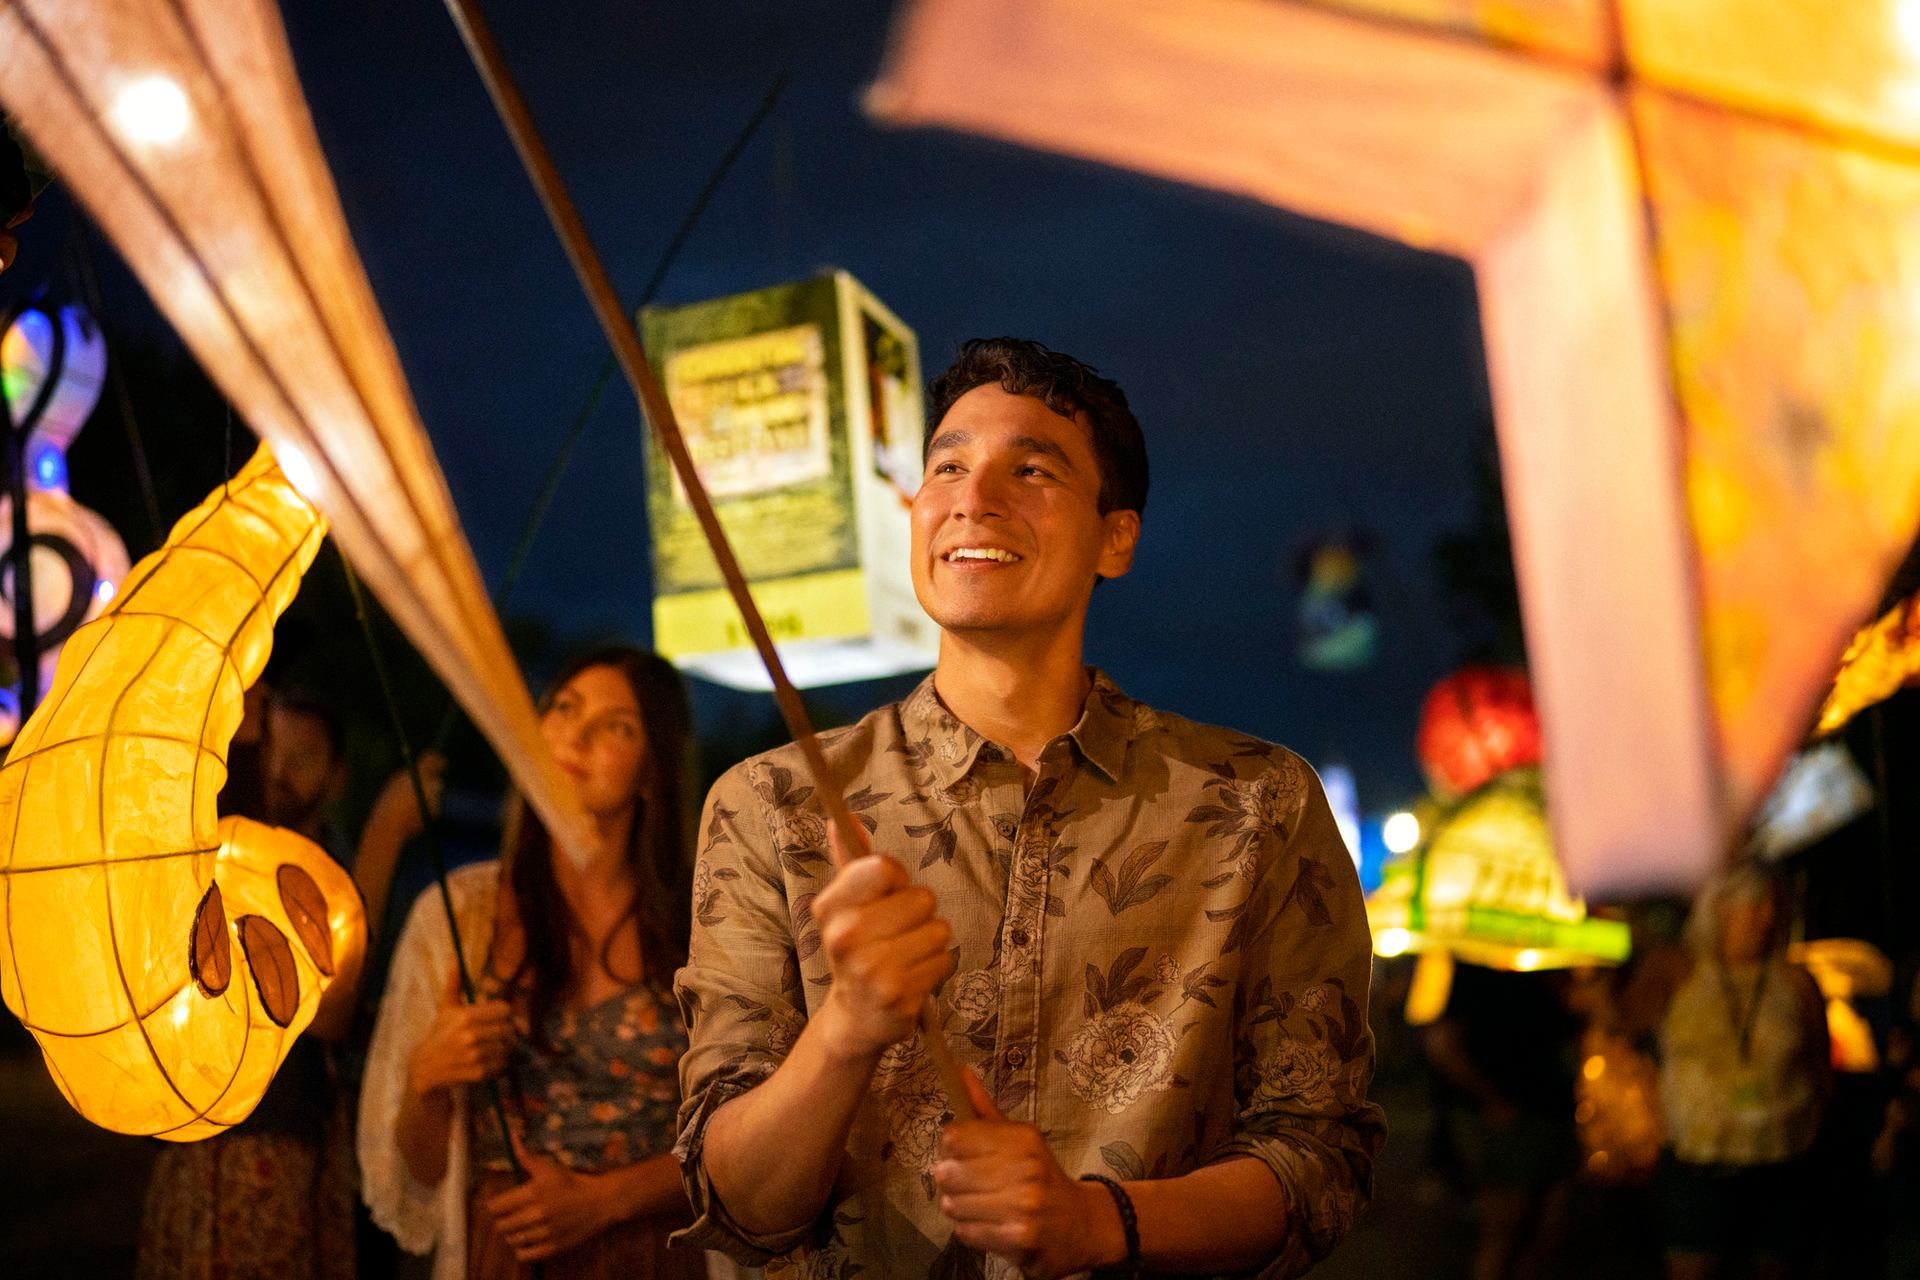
1106, 727
949, 749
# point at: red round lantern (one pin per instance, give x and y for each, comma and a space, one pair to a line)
1476, 724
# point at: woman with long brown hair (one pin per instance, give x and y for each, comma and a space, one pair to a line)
576, 1019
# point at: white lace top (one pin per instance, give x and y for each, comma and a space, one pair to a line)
422, 1218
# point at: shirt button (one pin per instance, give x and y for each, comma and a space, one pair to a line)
1016, 1057
1019, 937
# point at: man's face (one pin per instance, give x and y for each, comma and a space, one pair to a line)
303, 774
1007, 532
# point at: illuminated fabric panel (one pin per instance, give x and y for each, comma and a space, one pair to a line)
1788, 255
1524, 166
1851, 65
1883, 657
1578, 30
1791, 266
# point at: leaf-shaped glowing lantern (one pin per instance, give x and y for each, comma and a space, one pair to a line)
183, 129
165, 958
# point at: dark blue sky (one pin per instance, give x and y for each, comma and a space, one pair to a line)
1292, 378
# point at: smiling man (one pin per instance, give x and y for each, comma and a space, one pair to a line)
1145, 935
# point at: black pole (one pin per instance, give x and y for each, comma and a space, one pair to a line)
431, 830
26, 647
26, 639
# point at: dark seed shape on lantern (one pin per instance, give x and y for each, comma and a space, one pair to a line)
274, 975
210, 952
307, 909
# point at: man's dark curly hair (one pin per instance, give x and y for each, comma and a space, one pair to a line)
1069, 388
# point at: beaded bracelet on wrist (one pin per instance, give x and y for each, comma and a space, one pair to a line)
1129, 1224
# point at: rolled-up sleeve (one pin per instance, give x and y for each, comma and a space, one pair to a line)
1303, 1054
741, 996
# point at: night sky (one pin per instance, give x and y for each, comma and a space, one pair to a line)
1293, 379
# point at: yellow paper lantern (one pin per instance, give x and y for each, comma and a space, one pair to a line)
1882, 657
1845, 969
166, 958
183, 130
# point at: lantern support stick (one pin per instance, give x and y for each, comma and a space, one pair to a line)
430, 828
578, 428
621, 333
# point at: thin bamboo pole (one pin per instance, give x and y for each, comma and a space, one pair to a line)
490, 63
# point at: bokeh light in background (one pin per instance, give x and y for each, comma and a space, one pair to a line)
153, 110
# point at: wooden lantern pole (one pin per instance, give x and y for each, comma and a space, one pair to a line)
507, 100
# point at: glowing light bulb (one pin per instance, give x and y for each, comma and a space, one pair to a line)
1400, 832
1527, 961
1392, 942
298, 469
1907, 17
104, 591
50, 469
152, 109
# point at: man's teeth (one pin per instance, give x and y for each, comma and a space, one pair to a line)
982, 553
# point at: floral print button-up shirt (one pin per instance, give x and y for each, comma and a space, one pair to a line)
1162, 963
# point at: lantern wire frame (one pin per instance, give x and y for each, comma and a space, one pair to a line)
165, 958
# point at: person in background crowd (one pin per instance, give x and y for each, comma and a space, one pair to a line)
1506, 1047
1744, 1080
306, 768
21, 177
274, 1195
574, 963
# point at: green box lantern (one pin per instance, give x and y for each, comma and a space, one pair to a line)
801, 404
